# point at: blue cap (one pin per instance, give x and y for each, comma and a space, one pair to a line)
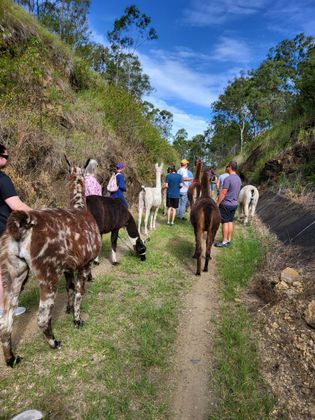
119, 166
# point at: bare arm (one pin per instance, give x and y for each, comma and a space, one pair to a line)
15, 203
222, 196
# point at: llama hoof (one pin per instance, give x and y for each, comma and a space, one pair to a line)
69, 309
115, 263
57, 345
143, 258
15, 360
198, 274
89, 277
205, 270
96, 262
79, 323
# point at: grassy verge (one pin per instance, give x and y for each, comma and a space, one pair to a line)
240, 389
115, 366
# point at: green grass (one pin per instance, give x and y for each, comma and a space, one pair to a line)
241, 392
116, 365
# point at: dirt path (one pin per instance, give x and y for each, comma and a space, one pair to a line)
192, 397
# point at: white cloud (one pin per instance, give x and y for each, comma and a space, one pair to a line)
231, 49
209, 12
193, 124
98, 37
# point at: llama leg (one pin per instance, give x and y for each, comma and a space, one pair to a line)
113, 239
155, 216
146, 219
246, 211
151, 219
79, 292
198, 251
140, 217
12, 280
209, 242
48, 291
69, 275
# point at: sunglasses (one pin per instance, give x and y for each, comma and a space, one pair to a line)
5, 156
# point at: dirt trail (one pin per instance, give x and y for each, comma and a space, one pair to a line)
192, 395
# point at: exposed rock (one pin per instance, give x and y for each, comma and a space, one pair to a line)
289, 275
309, 314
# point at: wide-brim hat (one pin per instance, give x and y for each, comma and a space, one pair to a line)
184, 162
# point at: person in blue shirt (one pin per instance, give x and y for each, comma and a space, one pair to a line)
121, 185
173, 182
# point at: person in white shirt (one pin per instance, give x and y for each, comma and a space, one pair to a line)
183, 171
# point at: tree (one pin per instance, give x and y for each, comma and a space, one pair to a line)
181, 144
129, 32
67, 18
234, 105
161, 119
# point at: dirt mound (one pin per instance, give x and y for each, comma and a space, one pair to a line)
292, 223
286, 341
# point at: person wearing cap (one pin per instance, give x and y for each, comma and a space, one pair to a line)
173, 183
183, 171
227, 202
120, 179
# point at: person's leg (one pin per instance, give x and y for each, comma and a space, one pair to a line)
181, 208
230, 231
169, 209
173, 215
225, 232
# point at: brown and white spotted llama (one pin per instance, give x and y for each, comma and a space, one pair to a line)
194, 188
48, 243
205, 217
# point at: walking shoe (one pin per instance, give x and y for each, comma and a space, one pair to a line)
168, 223
20, 310
222, 245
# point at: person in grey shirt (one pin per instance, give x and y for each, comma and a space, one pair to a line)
227, 202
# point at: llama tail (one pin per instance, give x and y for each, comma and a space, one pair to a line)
198, 170
205, 185
19, 223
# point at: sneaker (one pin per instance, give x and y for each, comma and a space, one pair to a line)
20, 310
222, 245
172, 223
168, 223
29, 415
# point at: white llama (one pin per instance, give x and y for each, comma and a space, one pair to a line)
248, 200
150, 199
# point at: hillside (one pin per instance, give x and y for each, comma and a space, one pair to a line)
51, 103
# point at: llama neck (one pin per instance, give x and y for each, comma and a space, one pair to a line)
132, 229
205, 185
77, 193
158, 179
198, 170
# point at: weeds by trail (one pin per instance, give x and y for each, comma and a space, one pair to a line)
241, 392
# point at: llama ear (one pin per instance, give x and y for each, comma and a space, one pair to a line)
86, 163
68, 161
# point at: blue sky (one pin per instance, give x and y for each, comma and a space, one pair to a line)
202, 45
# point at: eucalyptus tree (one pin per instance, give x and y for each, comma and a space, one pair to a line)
129, 32
160, 119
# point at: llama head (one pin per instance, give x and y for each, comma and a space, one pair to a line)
140, 249
159, 168
76, 185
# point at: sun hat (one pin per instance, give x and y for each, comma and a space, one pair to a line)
184, 162
119, 166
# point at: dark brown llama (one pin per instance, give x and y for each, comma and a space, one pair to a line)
48, 243
111, 215
205, 217
194, 188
